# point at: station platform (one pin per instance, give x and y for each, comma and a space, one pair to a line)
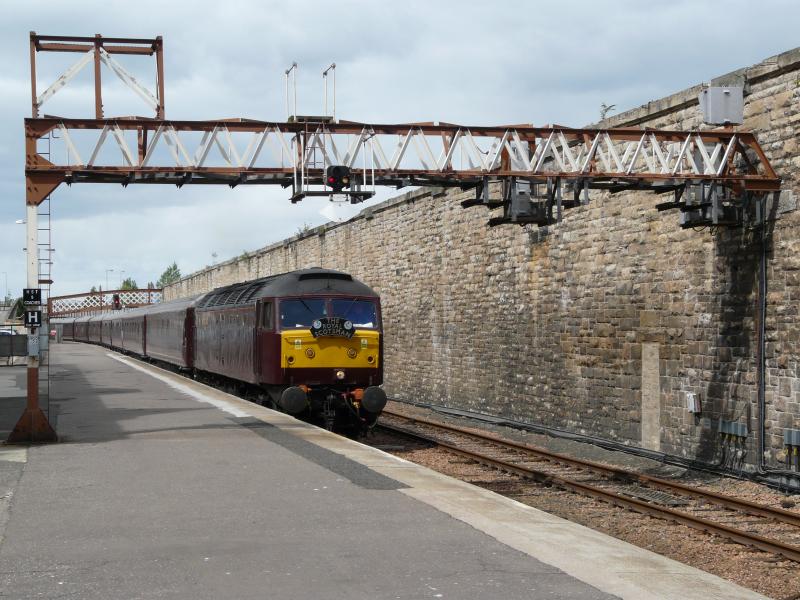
165, 488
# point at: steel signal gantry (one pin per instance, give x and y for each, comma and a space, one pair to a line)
247, 152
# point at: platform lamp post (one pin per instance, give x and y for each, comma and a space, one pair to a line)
33, 425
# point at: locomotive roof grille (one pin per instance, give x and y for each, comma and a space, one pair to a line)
285, 284
237, 293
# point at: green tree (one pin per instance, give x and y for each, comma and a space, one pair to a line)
129, 284
170, 275
93, 290
605, 109
17, 310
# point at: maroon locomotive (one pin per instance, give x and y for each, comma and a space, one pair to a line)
309, 341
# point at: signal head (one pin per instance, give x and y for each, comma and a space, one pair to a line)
338, 177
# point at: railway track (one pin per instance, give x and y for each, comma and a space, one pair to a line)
755, 525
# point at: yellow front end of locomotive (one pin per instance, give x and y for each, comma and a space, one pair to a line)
301, 350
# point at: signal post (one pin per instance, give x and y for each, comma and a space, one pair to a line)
33, 425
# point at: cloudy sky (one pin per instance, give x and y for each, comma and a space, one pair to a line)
477, 63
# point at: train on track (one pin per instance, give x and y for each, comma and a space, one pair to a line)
308, 342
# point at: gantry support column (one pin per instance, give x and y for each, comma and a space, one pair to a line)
33, 425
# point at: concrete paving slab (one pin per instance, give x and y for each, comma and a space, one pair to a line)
607, 563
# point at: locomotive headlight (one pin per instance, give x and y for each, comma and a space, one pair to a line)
351, 353
340, 375
370, 359
290, 359
310, 352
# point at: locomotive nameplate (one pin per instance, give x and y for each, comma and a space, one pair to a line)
332, 327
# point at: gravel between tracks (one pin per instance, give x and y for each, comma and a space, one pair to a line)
765, 573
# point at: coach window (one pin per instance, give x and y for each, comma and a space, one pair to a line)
266, 316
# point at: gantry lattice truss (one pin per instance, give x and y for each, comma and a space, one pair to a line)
99, 50
243, 152
295, 153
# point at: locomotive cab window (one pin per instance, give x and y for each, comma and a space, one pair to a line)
296, 313
266, 316
362, 313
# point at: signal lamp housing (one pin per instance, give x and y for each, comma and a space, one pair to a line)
338, 177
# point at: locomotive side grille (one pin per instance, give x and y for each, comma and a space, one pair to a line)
239, 294
251, 291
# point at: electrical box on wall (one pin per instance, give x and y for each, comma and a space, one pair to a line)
722, 105
733, 428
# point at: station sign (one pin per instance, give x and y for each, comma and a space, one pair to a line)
33, 318
31, 297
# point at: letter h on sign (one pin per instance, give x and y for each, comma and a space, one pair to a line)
33, 318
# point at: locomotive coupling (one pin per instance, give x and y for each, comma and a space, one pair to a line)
294, 400
374, 399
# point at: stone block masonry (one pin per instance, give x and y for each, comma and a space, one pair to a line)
549, 326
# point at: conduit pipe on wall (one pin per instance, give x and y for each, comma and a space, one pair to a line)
662, 457
762, 344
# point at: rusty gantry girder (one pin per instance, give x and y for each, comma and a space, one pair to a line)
99, 50
717, 166
248, 152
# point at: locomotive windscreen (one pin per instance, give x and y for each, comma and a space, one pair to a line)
302, 312
361, 313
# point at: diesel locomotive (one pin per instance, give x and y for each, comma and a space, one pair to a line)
308, 342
